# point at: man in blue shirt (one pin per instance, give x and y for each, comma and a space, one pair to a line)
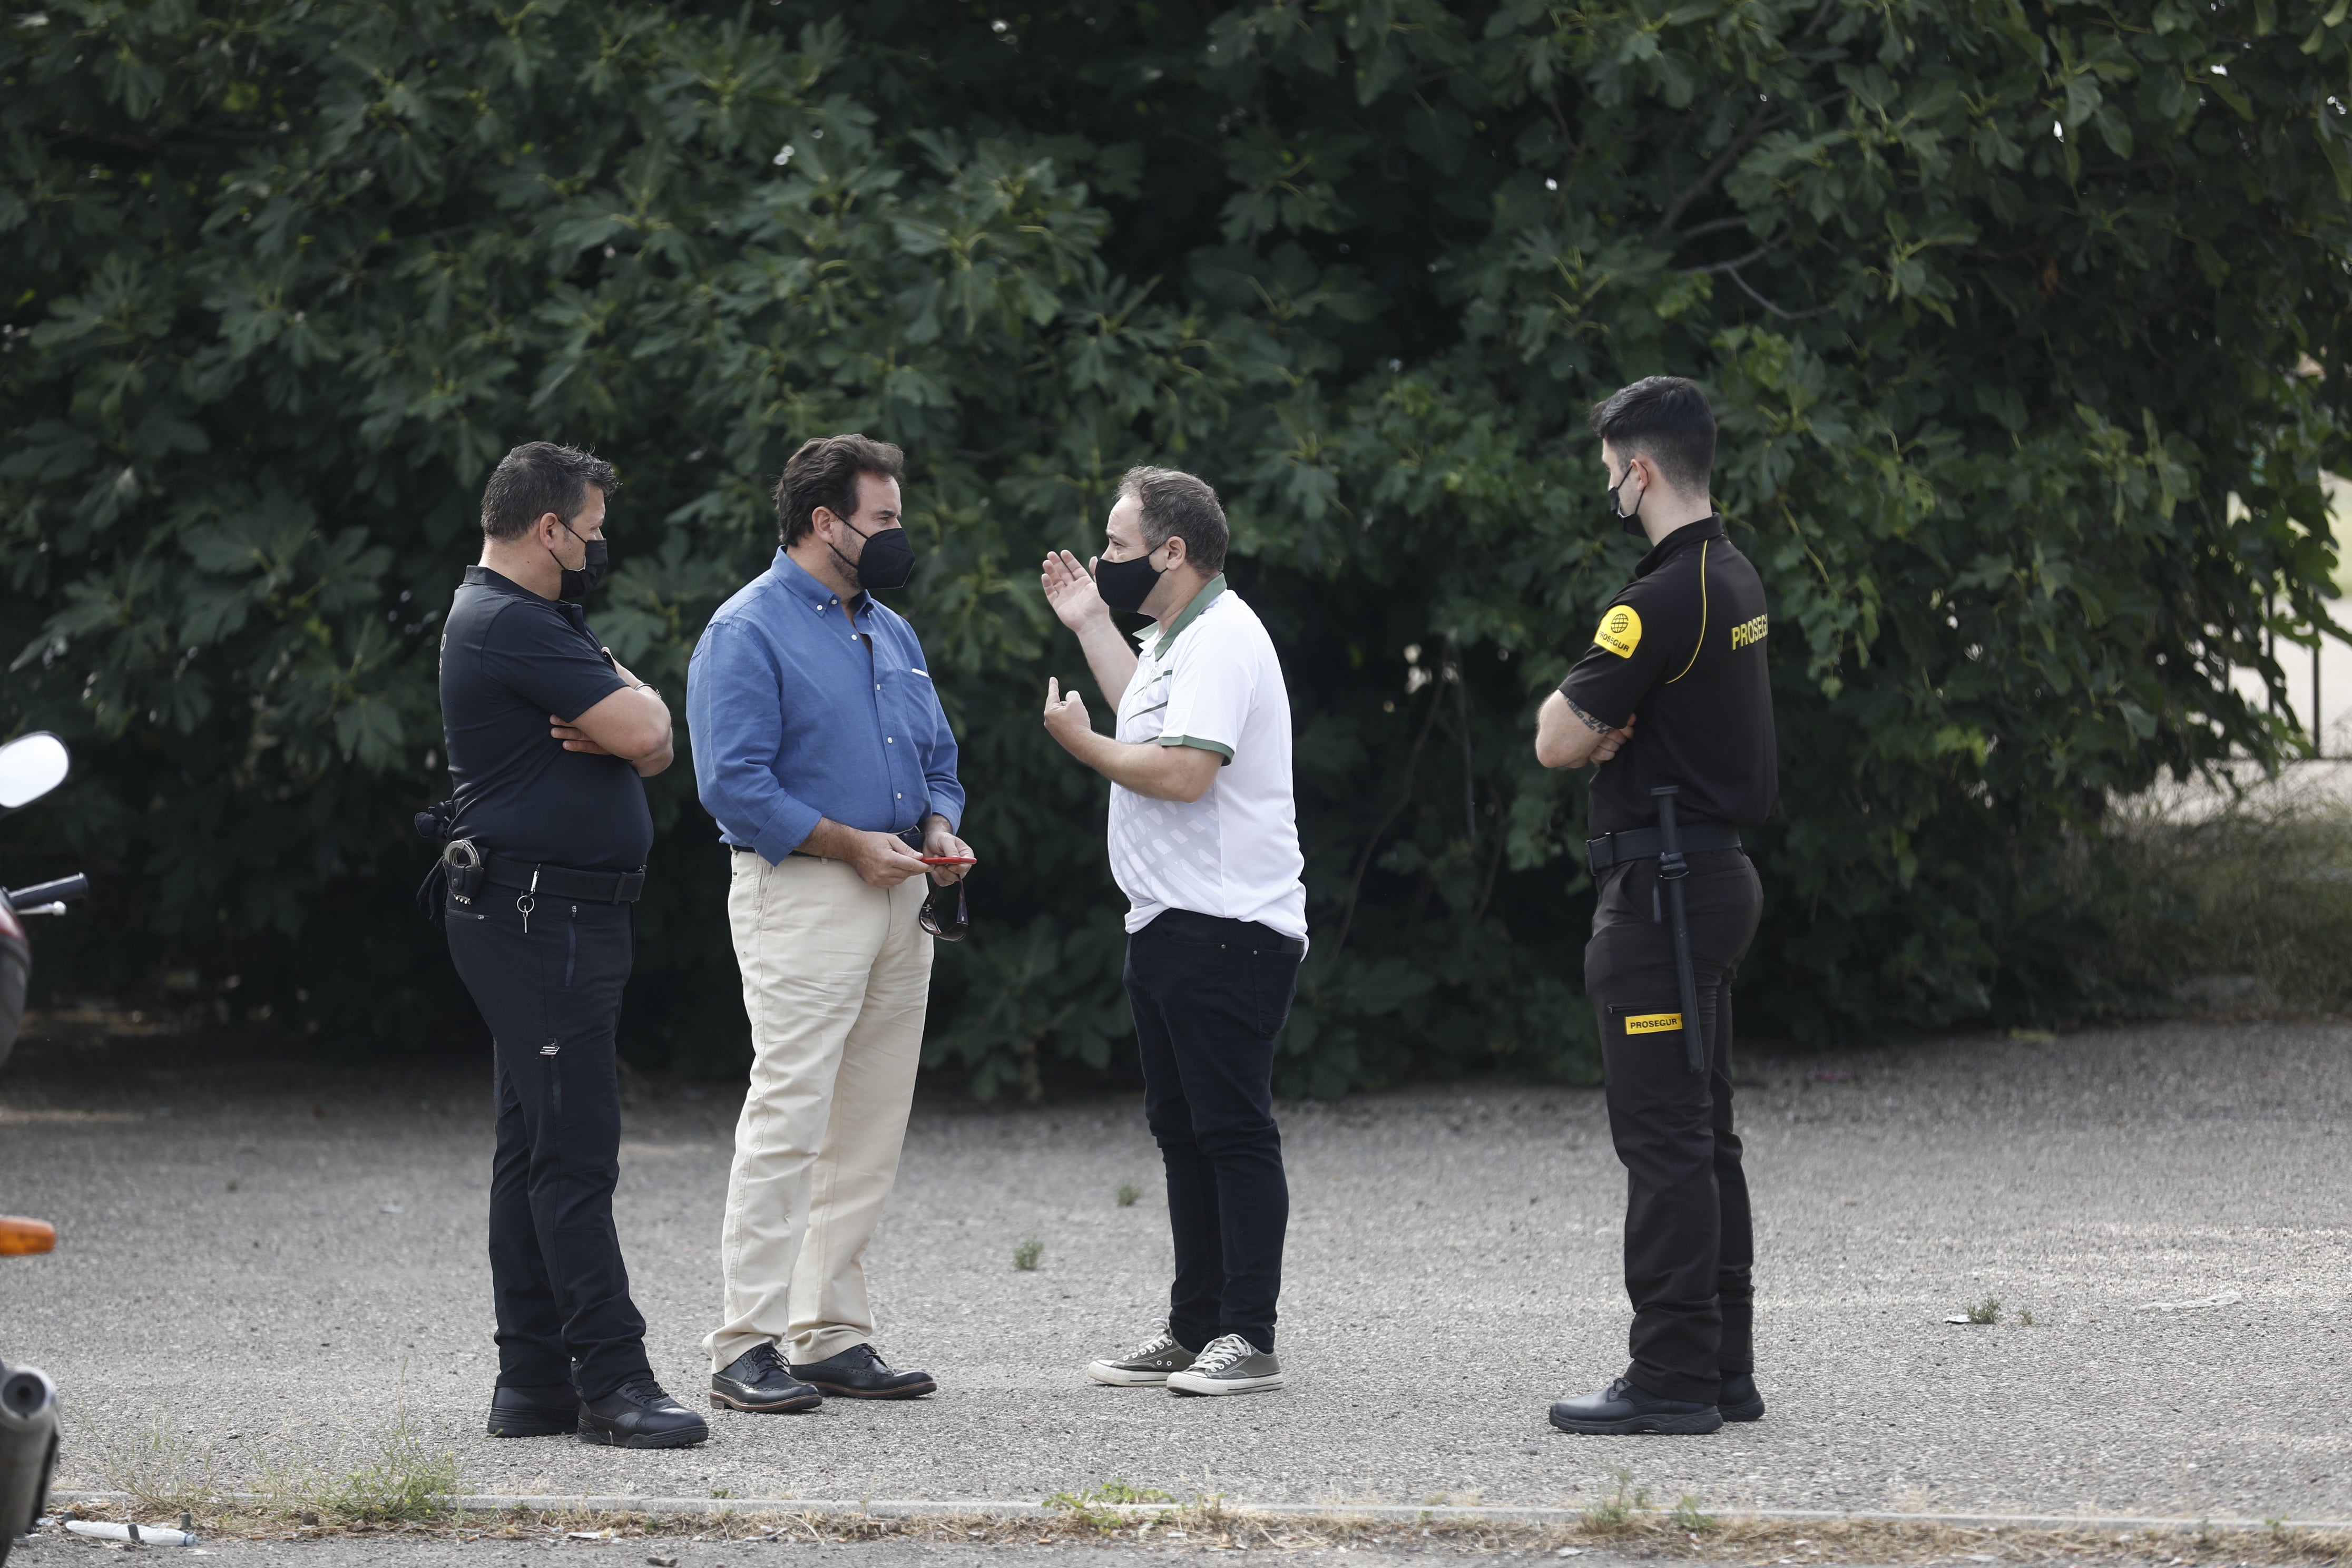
821, 747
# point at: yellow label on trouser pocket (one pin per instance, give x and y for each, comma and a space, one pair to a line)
1653, 1023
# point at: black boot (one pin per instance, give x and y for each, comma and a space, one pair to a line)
760, 1381
1623, 1408
534, 1411
1739, 1401
638, 1414
858, 1373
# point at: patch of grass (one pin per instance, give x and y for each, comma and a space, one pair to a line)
1025, 1255
1088, 1505
1128, 1194
1687, 1517
403, 1480
2025, 1319
1985, 1312
163, 1470
1619, 1511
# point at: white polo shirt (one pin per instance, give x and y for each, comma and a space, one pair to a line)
1212, 680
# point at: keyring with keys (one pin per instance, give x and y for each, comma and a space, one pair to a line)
525, 903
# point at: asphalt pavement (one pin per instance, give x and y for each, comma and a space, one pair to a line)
256, 1267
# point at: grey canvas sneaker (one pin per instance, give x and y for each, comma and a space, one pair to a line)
1230, 1364
1146, 1366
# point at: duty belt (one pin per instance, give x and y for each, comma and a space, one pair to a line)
1644, 843
563, 882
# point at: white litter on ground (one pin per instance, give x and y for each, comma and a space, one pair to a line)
2220, 1298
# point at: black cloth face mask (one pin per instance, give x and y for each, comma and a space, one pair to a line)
1125, 584
1631, 522
888, 561
580, 581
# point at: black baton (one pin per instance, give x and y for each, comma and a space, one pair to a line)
1672, 869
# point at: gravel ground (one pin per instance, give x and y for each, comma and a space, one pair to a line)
256, 1263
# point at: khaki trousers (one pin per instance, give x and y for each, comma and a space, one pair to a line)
836, 976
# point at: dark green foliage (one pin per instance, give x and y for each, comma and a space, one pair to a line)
2000, 303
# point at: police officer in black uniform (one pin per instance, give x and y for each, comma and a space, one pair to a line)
550, 739
1673, 695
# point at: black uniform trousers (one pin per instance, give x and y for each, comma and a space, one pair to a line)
551, 996
1210, 995
1689, 1248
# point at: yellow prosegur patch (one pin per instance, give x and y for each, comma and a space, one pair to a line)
1653, 1023
1621, 631
1748, 632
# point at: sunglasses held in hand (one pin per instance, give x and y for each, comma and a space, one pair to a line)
929, 920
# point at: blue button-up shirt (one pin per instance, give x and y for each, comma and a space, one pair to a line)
794, 716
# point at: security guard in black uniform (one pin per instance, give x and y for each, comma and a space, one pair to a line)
549, 740
1674, 701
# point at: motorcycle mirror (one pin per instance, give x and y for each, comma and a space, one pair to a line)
30, 767
25, 1237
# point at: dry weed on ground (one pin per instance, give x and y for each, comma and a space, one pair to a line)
1207, 1525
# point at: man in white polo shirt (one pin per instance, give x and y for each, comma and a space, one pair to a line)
1205, 843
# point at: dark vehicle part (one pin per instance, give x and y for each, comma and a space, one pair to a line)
30, 767
28, 1450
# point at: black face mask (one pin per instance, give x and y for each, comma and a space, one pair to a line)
580, 581
1125, 584
1631, 522
886, 562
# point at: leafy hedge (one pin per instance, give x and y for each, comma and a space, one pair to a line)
2001, 304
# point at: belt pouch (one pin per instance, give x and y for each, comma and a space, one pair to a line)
462, 863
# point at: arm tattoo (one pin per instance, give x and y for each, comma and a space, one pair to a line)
1595, 725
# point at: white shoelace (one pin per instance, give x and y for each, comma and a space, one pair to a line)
1220, 1353
1158, 1344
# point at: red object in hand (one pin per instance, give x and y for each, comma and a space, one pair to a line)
949, 860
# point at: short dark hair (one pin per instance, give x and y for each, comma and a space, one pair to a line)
537, 477
1666, 419
1174, 502
823, 473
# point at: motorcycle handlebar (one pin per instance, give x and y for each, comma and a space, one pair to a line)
63, 890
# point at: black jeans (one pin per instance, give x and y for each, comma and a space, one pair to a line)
1210, 995
551, 996
1689, 1246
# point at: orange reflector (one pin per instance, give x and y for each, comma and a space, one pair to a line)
20, 1238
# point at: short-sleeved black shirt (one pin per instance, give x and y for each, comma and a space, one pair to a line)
1682, 647
509, 660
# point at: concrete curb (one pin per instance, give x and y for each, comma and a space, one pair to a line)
1433, 1513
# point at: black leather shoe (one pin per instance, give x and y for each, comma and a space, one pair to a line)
858, 1373
1739, 1401
1622, 1408
760, 1381
534, 1411
638, 1414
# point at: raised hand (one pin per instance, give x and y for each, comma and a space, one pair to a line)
1066, 715
1070, 590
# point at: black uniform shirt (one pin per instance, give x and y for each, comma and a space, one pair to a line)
1682, 647
509, 660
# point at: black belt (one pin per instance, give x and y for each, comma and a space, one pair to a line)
746, 849
1642, 844
910, 838
563, 882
